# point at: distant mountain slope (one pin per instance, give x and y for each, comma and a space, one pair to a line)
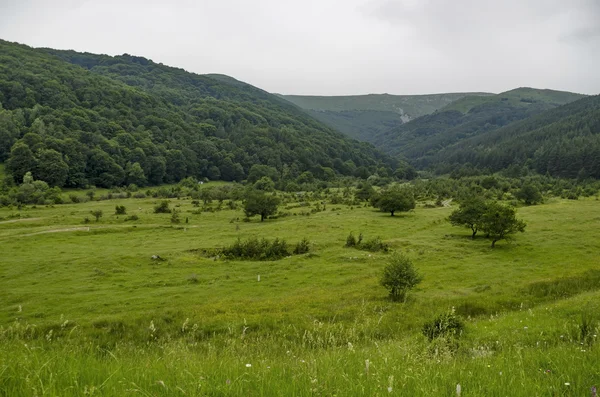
362, 116
467, 117
117, 120
563, 142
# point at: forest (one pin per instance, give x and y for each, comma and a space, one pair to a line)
75, 120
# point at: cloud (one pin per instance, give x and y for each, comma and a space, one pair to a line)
334, 46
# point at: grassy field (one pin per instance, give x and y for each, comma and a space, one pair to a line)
87, 311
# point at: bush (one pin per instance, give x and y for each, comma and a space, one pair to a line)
120, 210
97, 214
175, 216
162, 208
374, 245
302, 247
399, 276
132, 218
445, 325
263, 249
351, 240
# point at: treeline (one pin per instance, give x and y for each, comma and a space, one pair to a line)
75, 120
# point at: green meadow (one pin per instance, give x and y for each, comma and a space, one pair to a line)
86, 310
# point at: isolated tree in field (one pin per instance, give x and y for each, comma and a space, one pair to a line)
469, 214
395, 199
97, 214
259, 203
399, 276
529, 194
499, 222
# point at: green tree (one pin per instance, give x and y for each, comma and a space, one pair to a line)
529, 194
135, 175
51, 168
97, 214
265, 184
499, 222
259, 203
400, 276
395, 199
21, 161
364, 192
469, 214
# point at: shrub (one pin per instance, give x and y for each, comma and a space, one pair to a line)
162, 208
374, 245
445, 325
97, 214
132, 218
351, 240
175, 216
120, 210
399, 276
302, 247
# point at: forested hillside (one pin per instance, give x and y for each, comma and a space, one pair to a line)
364, 116
470, 116
562, 142
75, 119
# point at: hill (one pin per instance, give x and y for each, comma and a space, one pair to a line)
363, 116
562, 142
470, 116
80, 118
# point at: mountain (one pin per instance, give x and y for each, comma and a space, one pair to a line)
422, 138
363, 116
79, 118
562, 142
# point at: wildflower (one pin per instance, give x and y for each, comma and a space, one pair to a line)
367, 366
547, 371
525, 328
228, 382
248, 365
458, 389
567, 384
389, 389
594, 392
160, 382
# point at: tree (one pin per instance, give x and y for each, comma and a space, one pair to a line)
395, 199
364, 192
21, 161
469, 214
51, 168
260, 203
135, 174
400, 276
500, 222
265, 184
97, 214
529, 194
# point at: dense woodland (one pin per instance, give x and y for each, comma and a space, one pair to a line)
77, 119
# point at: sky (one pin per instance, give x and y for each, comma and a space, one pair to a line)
335, 47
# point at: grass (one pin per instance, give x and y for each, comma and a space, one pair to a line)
90, 311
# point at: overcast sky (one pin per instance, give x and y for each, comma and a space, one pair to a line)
335, 47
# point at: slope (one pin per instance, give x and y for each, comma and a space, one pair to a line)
363, 116
562, 142
467, 117
110, 121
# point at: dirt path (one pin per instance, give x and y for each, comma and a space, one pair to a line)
67, 229
21, 220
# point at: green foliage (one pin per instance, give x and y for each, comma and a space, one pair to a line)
263, 249
400, 276
448, 325
500, 222
162, 208
175, 216
75, 119
374, 245
259, 203
97, 214
469, 214
120, 210
265, 184
397, 198
529, 194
